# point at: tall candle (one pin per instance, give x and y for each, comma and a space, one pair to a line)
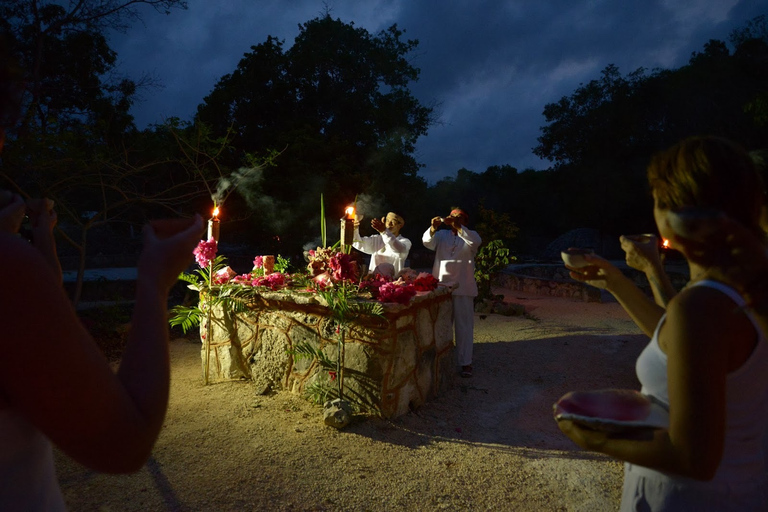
214, 225
348, 226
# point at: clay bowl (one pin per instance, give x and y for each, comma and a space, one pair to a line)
574, 257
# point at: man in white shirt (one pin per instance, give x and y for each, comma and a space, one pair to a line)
389, 246
455, 252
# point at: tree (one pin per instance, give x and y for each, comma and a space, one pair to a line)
337, 106
74, 141
602, 136
63, 92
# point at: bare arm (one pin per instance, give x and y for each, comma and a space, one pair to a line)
43, 219
642, 253
105, 421
600, 273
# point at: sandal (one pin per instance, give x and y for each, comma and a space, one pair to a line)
466, 371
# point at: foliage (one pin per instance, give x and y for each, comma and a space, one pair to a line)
78, 96
493, 225
345, 310
491, 258
600, 138
338, 101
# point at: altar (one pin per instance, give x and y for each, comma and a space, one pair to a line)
392, 364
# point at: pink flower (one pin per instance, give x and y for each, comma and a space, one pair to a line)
258, 262
205, 252
224, 275
323, 281
372, 283
343, 268
400, 293
244, 279
273, 281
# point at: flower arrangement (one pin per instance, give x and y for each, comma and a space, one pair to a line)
331, 273
400, 290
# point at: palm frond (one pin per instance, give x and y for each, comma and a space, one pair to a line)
185, 316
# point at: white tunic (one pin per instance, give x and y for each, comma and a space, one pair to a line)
454, 257
383, 248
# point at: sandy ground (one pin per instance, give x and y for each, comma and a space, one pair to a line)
488, 443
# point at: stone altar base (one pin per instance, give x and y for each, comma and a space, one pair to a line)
390, 367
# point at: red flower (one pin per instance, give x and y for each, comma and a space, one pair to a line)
400, 293
323, 281
425, 282
224, 275
273, 281
333, 375
342, 267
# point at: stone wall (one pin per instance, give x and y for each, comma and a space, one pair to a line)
552, 279
390, 366
546, 279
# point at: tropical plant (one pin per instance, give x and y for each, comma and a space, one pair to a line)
491, 258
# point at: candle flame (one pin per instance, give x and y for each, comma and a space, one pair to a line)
215, 211
665, 243
350, 212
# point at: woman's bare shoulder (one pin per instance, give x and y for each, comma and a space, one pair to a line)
708, 313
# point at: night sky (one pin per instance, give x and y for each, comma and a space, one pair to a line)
490, 66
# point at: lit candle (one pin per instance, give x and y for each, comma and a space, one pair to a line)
348, 226
214, 225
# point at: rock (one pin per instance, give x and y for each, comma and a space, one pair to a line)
337, 413
508, 309
261, 386
484, 306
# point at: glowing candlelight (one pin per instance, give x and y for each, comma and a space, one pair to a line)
665, 243
214, 224
348, 226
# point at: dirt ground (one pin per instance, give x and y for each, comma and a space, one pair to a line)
488, 443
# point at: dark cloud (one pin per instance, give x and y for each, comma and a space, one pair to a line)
490, 66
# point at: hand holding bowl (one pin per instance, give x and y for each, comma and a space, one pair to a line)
574, 257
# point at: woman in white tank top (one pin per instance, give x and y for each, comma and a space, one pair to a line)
707, 358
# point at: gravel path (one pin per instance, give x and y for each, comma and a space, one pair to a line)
489, 443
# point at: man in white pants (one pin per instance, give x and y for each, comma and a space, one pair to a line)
455, 252
387, 247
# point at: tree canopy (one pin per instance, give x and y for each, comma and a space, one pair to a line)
336, 104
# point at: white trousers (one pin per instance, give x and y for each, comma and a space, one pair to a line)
463, 327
